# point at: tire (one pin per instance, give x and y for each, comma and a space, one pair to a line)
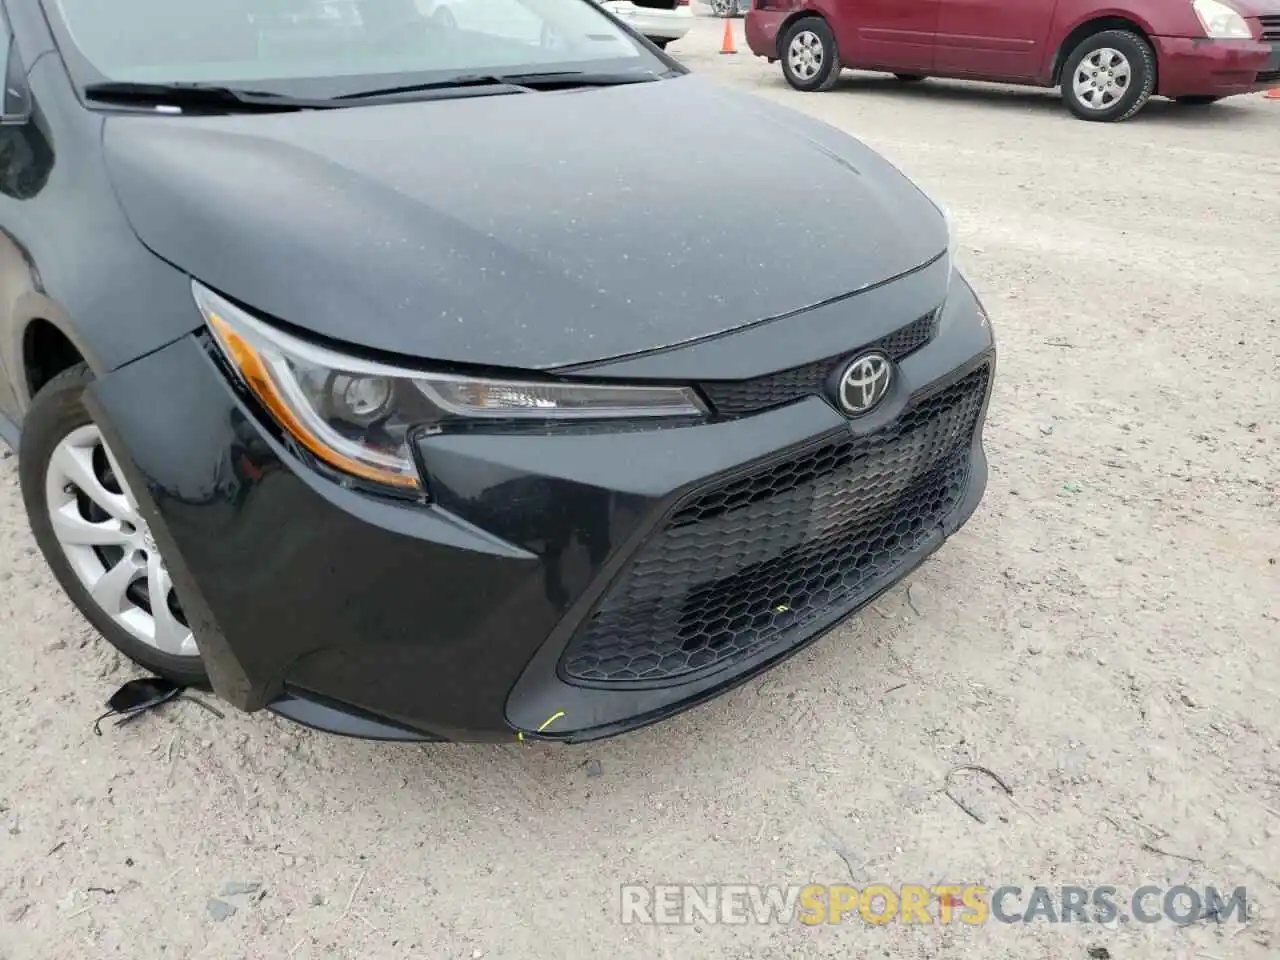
56, 418
1117, 49
810, 60
910, 77
1197, 101
659, 42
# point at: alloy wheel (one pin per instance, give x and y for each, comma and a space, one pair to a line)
109, 546
1102, 78
804, 55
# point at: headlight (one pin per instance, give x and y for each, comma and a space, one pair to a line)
356, 415
1220, 21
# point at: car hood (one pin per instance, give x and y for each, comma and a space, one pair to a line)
529, 230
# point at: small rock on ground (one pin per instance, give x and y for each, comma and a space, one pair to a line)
219, 910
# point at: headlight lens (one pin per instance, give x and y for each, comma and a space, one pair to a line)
356, 414
1220, 21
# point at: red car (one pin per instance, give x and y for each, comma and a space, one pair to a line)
1108, 60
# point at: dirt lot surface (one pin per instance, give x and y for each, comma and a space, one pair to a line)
1103, 635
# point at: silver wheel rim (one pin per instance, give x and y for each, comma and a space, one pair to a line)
1102, 78
804, 54
109, 546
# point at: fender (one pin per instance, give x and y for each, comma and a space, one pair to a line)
51, 172
1073, 14
23, 303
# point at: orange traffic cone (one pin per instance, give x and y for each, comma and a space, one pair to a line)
1273, 93
726, 45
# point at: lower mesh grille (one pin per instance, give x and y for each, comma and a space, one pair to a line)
752, 561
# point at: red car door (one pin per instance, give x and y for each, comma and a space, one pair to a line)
993, 38
895, 35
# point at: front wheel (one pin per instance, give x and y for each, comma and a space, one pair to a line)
86, 521
810, 60
659, 42
1109, 76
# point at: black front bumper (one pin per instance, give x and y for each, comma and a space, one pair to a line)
528, 597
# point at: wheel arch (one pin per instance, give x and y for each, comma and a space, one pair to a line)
46, 352
1097, 23
805, 13
37, 339
44, 344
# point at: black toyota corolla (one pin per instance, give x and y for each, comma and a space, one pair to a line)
463, 377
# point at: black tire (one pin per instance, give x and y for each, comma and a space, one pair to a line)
829, 68
659, 42
910, 77
1142, 77
1196, 101
55, 412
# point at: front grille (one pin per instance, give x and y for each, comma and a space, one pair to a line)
1269, 76
1270, 28
735, 398
764, 558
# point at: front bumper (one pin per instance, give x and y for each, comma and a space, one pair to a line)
653, 22
1217, 68
452, 619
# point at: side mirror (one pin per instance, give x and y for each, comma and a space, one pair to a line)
15, 104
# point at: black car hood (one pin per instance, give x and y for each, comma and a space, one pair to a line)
529, 230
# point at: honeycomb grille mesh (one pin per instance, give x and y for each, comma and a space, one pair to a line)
749, 562
735, 398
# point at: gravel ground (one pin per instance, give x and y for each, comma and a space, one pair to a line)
1102, 634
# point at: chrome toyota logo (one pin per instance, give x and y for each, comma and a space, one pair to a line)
864, 383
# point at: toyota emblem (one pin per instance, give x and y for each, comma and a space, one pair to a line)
864, 383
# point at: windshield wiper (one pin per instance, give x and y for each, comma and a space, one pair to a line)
199, 95
548, 80
211, 96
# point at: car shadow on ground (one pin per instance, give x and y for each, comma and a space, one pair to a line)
1038, 100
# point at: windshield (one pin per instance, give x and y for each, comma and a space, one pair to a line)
331, 47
